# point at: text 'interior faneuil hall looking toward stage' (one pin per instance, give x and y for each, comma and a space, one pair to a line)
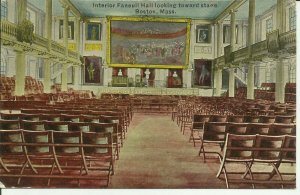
137, 94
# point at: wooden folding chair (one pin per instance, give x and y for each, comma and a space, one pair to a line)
282, 129
40, 153
237, 128
237, 150
98, 153
269, 154
9, 124
13, 157
198, 126
33, 125
79, 126
258, 128
289, 156
70, 154
214, 133
284, 119
108, 128
57, 125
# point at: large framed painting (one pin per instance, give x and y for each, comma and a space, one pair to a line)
202, 73
93, 31
147, 42
92, 69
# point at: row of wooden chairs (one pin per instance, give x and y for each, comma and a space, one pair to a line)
197, 120
215, 132
263, 150
32, 86
108, 125
78, 115
52, 155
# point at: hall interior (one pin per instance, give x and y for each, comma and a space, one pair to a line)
139, 94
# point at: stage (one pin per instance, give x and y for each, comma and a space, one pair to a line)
150, 90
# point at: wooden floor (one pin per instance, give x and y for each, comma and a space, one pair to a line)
157, 155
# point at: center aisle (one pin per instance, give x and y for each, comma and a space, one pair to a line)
156, 155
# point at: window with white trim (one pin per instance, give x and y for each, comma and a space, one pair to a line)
292, 18
3, 64
3, 9
269, 25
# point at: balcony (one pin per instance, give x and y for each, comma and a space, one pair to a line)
287, 41
9, 37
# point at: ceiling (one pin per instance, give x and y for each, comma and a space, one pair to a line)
91, 8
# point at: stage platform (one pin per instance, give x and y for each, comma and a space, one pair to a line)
155, 91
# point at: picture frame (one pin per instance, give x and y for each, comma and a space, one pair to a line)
92, 69
70, 30
148, 42
203, 34
93, 31
202, 73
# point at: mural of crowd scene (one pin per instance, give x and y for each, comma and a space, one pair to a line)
92, 69
202, 73
148, 42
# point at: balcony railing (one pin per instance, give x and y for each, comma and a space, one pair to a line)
73, 54
259, 48
8, 28
241, 54
287, 38
41, 41
57, 47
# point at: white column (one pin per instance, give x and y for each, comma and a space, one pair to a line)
251, 23
22, 8
76, 77
232, 30
250, 81
48, 21
231, 85
280, 81
76, 67
64, 73
251, 41
281, 16
48, 36
47, 75
64, 77
77, 35
66, 27
188, 78
218, 72
220, 38
20, 64
20, 73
